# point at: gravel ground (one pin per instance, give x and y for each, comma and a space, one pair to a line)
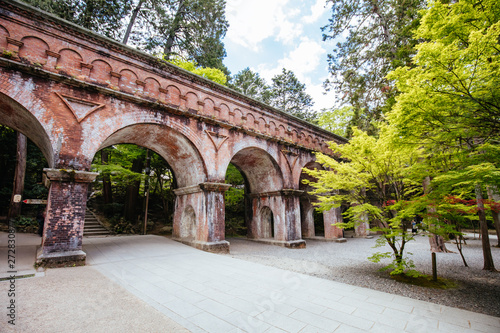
477, 290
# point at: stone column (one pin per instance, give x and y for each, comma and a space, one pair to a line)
293, 235
65, 216
362, 229
285, 207
206, 202
307, 219
330, 219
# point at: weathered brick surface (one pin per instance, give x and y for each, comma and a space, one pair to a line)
65, 217
73, 93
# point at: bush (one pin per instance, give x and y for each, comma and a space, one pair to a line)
25, 224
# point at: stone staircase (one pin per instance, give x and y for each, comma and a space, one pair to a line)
92, 226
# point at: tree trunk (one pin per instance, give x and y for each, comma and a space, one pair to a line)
179, 16
132, 195
435, 241
494, 196
18, 185
107, 192
132, 21
488, 259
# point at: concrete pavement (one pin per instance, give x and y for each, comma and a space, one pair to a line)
204, 292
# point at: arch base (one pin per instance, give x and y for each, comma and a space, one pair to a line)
60, 259
214, 247
295, 244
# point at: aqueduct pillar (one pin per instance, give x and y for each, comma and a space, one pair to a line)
282, 227
199, 216
65, 215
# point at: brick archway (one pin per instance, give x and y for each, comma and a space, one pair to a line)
330, 217
19, 118
180, 153
73, 92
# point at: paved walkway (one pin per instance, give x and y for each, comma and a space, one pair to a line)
205, 292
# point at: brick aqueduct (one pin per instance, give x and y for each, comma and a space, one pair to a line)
73, 92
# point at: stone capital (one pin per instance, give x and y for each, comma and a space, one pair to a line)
203, 187
215, 187
292, 192
187, 190
69, 175
266, 194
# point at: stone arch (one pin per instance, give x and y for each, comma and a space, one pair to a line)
250, 122
4, 33
329, 218
100, 71
208, 107
260, 169
34, 49
188, 224
151, 88
173, 95
128, 81
238, 116
272, 128
192, 102
267, 222
69, 62
176, 148
307, 201
224, 112
262, 124
280, 131
19, 118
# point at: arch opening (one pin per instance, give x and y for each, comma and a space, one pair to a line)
31, 186
267, 222
313, 222
134, 189
262, 180
17, 117
174, 163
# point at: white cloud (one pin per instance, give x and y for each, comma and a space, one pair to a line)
251, 22
321, 100
317, 10
303, 60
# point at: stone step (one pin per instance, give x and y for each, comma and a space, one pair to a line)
97, 233
93, 227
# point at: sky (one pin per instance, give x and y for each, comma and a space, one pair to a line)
268, 35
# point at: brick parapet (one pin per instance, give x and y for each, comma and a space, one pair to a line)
106, 61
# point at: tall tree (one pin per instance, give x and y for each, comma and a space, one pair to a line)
378, 40
107, 191
103, 16
289, 95
450, 100
18, 185
191, 29
251, 84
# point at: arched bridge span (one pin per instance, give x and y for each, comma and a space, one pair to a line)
73, 92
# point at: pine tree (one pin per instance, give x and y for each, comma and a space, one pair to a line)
250, 83
289, 95
379, 39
